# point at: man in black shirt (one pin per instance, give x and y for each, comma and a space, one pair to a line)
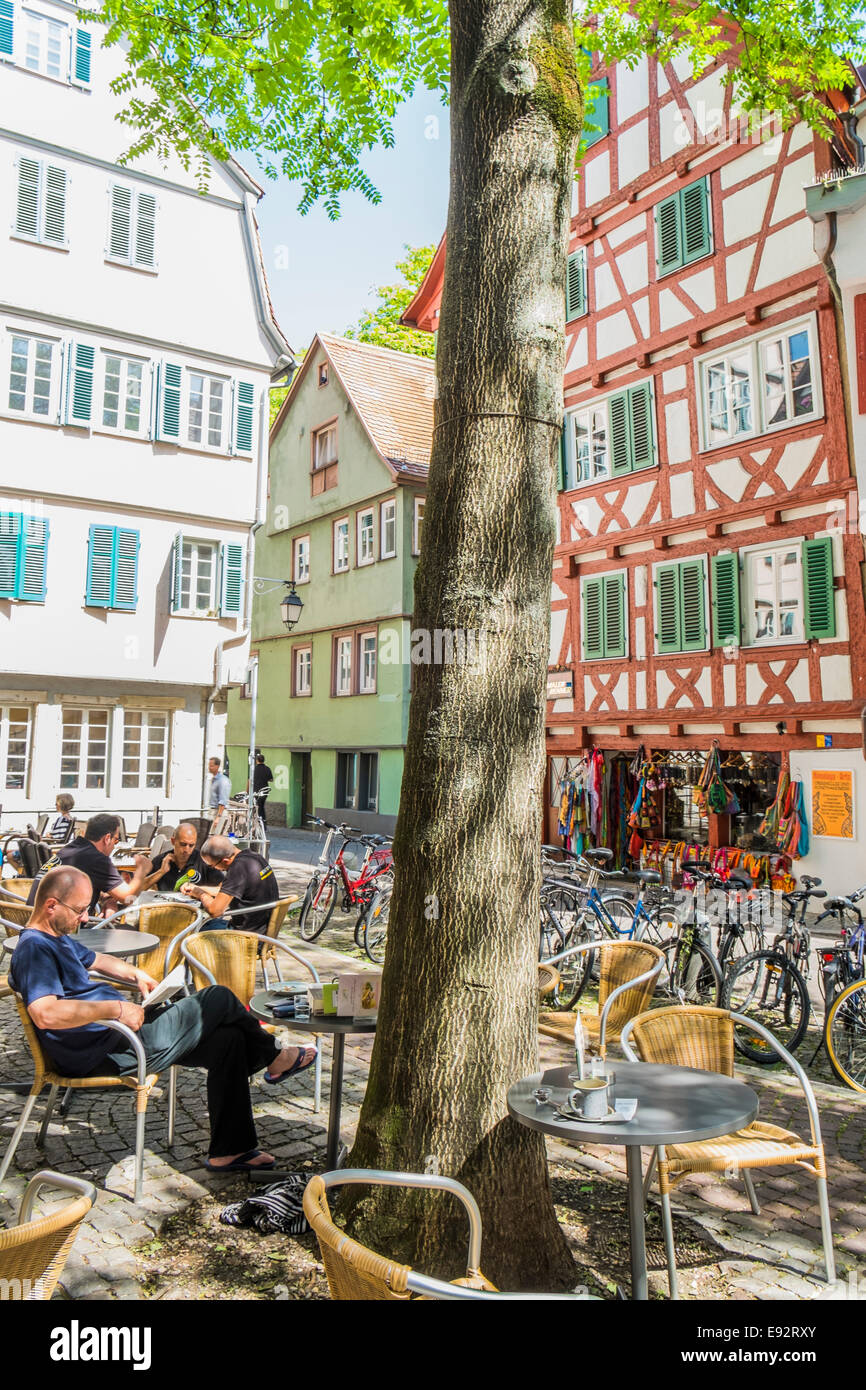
262, 779
249, 880
181, 862
91, 853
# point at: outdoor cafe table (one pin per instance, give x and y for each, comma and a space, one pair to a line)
676, 1105
109, 941
338, 1027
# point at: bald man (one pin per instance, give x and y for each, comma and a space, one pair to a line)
248, 881
210, 1029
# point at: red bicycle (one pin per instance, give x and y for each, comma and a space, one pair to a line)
359, 882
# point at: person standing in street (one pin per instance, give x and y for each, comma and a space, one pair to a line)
262, 779
220, 789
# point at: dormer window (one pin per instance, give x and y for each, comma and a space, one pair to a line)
323, 373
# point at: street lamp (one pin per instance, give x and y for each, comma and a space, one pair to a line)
290, 611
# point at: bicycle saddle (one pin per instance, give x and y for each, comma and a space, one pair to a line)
646, 876
605, 855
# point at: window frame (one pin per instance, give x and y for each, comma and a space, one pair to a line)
297, 542
25, 13
143, 745
340, 569
753, 346
361, 561
748, 588
341, 640
297, 651
83, 754
390, 502
356, 754
5, 722
323, 374
647, 384
329, 427
131, 260
417, 523
225, 419
40, 238
214, 610
99, 425
52, 414
362, 687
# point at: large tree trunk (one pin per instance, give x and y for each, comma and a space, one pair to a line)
458, 1018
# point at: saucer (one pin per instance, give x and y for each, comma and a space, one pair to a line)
567, 1113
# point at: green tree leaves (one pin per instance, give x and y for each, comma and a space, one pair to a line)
381, 325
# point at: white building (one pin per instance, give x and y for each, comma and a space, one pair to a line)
137, 344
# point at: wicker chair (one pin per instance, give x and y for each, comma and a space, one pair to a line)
267, 955
168, 921
33, 1253
16, 888
229, 958
357, 1274
628, 973
46, 1075
695, 1036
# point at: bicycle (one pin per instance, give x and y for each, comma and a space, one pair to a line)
770, 985
843, 968
323, 889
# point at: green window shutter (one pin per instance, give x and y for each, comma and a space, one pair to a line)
100, 567
560, 480
124, 593
80, 73
10, 544
575, 285
34, 555
78, 404
641, 425
593, 624
669, 249
817, 556
618, 440
169, 380
692, 605
245, 400
176, 562
614, 615
27, 215
726, 599
668, 622
145, 230
596, 113
54, 217
121, 222
7, 20
231, 580
695, 221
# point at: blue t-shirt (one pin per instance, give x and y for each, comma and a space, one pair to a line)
58, 965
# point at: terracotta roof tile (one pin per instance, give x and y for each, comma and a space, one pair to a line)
393, 393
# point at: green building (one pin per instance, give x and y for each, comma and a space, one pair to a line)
348, 470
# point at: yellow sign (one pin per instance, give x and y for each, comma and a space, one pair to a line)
833, 804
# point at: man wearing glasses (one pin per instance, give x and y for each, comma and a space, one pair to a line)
91, 853
208, 1029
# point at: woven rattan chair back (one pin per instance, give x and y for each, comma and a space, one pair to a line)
354, 1272
164, 920
620, 962
41, 1064
688, 1036
32, 1256
18, 916
19, 886
230, 957
548, 978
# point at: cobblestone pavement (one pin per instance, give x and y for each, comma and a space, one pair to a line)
776, 1255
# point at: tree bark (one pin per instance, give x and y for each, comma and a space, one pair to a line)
458, 1019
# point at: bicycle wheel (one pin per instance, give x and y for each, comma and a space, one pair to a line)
690, 974
662, 927
376, 926
575, 971
319, 902
845, 1035
767, 987
621, 911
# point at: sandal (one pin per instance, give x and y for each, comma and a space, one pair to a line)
241, 1164
297, 1066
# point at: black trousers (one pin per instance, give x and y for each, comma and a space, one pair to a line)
209, 1029
261, 801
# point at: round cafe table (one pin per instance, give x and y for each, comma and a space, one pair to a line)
108, 941
676, 1105
338, 1026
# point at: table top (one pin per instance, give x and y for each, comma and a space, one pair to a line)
676, 1105
107, 941
316, 1023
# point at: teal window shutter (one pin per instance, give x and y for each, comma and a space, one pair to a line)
618, 434
614, 615
820, 603
176, 563
79, 384
695, 221
596, 113
100, 567
10, 544
232, 580
692, 605
668, 624
169, 381
561, 469
33, 558
7, 21
575, 285
669, 253
726, 599
641, 425
593, 623
81, 58
124, 592
245, 398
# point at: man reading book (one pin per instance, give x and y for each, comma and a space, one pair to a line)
209, 1029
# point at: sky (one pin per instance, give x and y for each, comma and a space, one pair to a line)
322, 274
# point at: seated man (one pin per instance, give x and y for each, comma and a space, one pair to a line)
181, 864
209, 1029
91, 853
248, 881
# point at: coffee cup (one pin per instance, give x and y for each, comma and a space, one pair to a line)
590, 1097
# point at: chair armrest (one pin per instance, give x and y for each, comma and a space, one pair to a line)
625, 1042
439, 1289
811, 1103
433, 1182
47, 1178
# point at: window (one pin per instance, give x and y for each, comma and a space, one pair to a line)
325, 447
84, 749
23, 556
366, 538
341, 545
145, 750
416, 527
764, 384
196, 584
368, 643
603, 617
112, 568
46, 45
301, 559
357, 781
323, 373
575, 284
775, 593
132, 227
681, 607
609, 438
596, 115
387, 530
31, 376
15, 735
302, 671
683, 227
123, 382
206, 410
343, 665
205, 403
40, 213
347, 780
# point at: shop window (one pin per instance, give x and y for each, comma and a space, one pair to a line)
357, 781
